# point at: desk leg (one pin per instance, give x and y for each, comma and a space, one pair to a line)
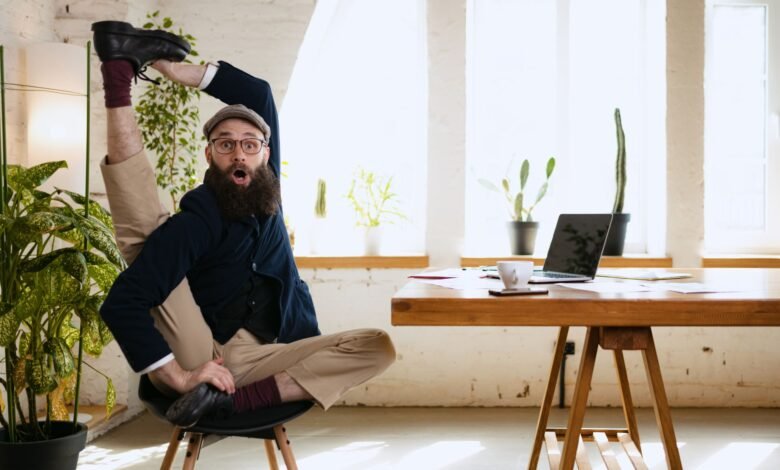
662, 414
625, 396
580, 400
544, 411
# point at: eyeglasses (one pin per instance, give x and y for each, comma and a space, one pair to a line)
249, 146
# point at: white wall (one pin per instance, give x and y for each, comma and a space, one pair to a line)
452, 366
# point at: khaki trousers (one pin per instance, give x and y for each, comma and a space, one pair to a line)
325, 366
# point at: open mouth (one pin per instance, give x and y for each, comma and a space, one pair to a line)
240, 177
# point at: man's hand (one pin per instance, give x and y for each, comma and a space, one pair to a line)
182, 381
186, 74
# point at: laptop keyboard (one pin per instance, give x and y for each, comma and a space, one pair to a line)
558, 275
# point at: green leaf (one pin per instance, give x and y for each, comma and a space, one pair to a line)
58, 349
488, 185
40, 376
9, 326
40, 262
518, 215
104, 275
75, 265
167, 23
524, 169
550, 166
148, 25
110, 397
69, 333
31, 178
542, 192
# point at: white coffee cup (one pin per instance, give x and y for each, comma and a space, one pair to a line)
515, 274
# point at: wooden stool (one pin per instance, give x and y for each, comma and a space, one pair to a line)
618, 339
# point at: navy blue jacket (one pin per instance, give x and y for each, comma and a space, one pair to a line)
216, 255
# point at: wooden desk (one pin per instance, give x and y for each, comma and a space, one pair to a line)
614, 321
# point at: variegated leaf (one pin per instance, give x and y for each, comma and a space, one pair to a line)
91, 339
75, 265
9, 326
110, 397
40, 262
40, 375
31, 178
95, 209
63, 358
105, 334
24, 344
59, 411
2, 404
20, 374
105, 244
104, 275
69, 333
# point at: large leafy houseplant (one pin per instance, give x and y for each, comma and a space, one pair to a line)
169, 119
59, 260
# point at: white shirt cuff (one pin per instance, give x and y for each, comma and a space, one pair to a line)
158, 364
211, 70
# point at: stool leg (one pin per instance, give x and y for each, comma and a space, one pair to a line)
544, 411
271, 453
625, 396
580, 399
173, 446
193, 450
284, 446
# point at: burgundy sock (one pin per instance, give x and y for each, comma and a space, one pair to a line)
117, 76
261, 394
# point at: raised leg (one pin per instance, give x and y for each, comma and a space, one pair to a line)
173, 446
544, 411
662, 414
625, 397
580, 400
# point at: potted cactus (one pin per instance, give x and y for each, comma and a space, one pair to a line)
522, 228
617, 232
320, 212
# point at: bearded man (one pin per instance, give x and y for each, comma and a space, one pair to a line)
211, 305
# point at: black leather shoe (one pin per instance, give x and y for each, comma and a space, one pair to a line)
119, 40
200, 401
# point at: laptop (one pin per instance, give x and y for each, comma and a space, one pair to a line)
575, 249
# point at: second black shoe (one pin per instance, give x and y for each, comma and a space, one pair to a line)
200, 401
119, 40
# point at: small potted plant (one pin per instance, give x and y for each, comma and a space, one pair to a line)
522, 228
320, 212
617, 232
375, 204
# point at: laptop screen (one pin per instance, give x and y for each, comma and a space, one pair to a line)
577, 243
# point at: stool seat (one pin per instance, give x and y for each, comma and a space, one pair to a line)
262, 423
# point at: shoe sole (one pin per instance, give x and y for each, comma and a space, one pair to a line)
126, 29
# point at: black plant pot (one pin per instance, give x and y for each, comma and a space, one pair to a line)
522, 237
61, 452
616, 238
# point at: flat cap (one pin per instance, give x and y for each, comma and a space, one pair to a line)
237, 111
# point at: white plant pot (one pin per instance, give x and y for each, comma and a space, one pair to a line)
373, 239
318, 236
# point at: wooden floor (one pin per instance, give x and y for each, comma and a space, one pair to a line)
451, 438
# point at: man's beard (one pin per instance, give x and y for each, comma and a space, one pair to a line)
260, 198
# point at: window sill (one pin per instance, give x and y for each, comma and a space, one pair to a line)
740, 261
628, 261
362, 262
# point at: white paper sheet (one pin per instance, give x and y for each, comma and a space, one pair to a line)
686, 287
446, 273
606, 287
464, 283
641, 274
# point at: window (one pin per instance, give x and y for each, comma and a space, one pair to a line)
543, 80
358, 97
741, 137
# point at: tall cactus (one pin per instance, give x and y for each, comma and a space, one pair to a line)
620, 164
320, 210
